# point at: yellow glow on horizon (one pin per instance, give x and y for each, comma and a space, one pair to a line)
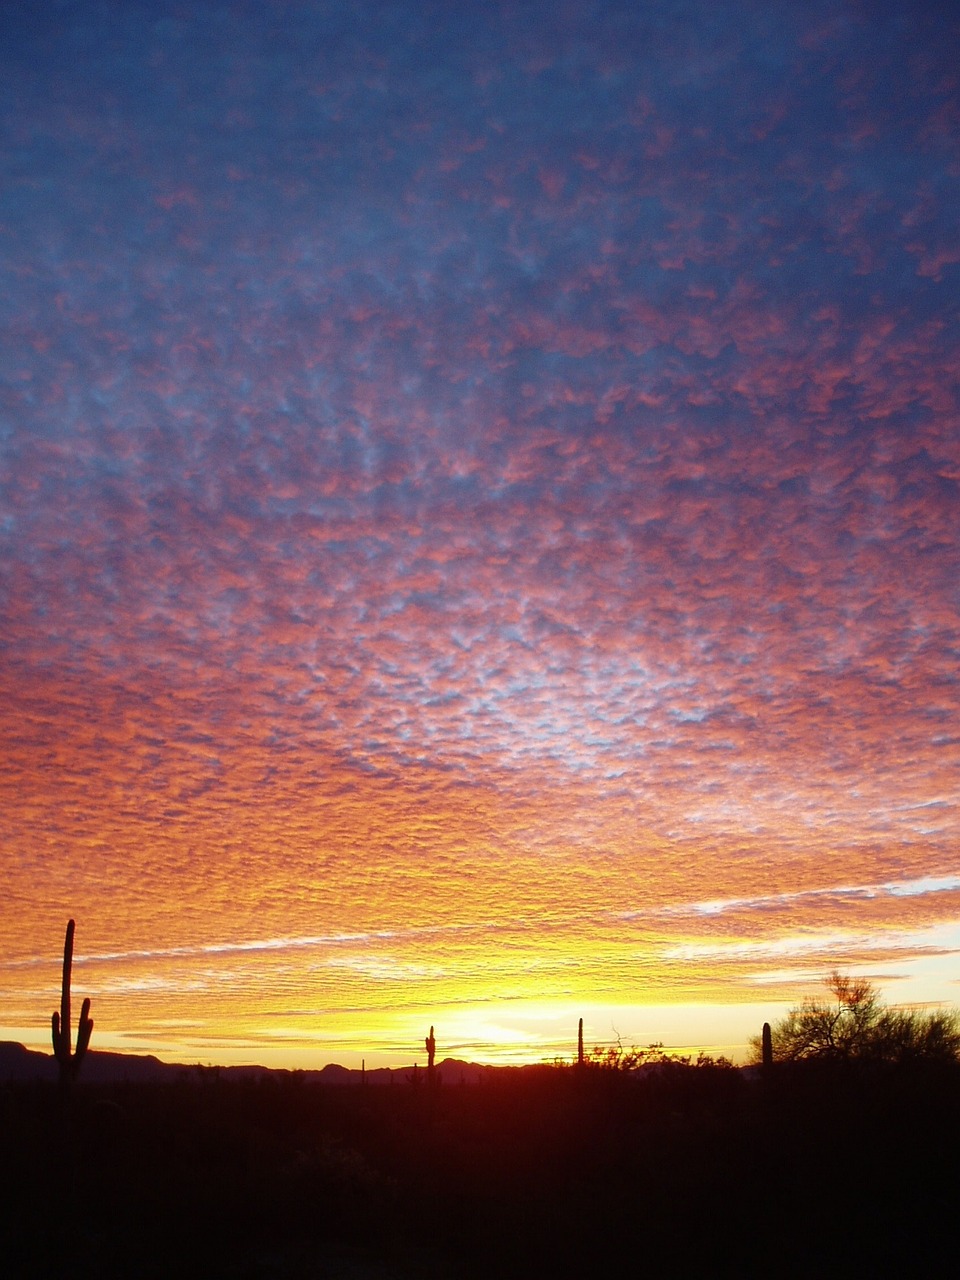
500, 987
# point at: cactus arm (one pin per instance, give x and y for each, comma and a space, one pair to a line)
57, 1037
83, 1032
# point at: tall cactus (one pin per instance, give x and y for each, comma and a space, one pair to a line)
69, 1062
580, 1043
431, 1045
767, 1046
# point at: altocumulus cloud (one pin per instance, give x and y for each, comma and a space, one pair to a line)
471, 466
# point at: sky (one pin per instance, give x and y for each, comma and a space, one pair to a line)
479, 536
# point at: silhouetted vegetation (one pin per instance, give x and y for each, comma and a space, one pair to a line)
67, 1060
627, 1159
615, 1057
431, 1047
627, 1164
857, 1027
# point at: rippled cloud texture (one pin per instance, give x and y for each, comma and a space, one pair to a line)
478, 516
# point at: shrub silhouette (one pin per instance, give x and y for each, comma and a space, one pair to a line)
857, 1027
617, 1058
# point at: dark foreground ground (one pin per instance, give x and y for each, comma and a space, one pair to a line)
691, 1171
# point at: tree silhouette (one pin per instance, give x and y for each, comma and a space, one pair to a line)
857, 1026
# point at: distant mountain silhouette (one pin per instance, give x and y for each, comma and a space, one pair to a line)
20, 1065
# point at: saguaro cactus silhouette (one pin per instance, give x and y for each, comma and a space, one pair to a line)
69, 1062
580, 1043
767, 1046
431, 1045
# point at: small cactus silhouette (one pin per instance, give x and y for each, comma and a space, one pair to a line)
580, 1043
69, 1062
767, 1043
433, 1076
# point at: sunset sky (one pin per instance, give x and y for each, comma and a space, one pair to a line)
479, 519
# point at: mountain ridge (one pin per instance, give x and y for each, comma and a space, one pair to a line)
18, 1065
